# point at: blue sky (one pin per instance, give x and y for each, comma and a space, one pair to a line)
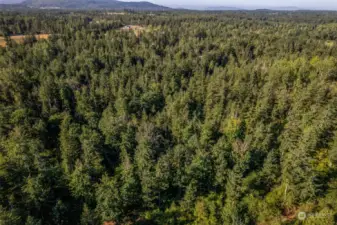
306, 4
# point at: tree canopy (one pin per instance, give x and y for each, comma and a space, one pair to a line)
197, 118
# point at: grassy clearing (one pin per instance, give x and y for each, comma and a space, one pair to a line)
116, 13
20, 38
135, 28
329, 43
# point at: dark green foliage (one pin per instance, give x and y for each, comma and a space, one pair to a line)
200, 118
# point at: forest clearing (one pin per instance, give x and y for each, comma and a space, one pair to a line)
20, 38
135, 28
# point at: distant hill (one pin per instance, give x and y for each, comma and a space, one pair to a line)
10, 1
287, 8
238, 8
88, 4
222, 8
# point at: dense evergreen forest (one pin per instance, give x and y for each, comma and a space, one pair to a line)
199, 118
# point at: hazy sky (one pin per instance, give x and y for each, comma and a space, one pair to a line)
319, 4
303, 4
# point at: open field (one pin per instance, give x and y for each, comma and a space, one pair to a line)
21, 38
135, 28
116, 13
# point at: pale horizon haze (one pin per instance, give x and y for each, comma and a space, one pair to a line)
243, 4
303, 4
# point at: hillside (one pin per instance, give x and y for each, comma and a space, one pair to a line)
90, 4
10, 1
223, 8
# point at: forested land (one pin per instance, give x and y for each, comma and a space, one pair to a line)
202, 118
